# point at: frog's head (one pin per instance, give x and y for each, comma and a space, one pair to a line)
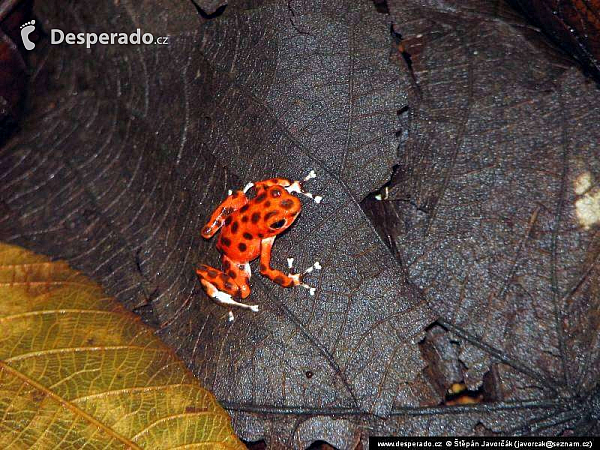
282, 211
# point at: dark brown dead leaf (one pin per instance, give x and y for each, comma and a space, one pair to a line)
573, 24
494, 210
339, 106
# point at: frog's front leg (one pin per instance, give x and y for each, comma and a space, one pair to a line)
277, 276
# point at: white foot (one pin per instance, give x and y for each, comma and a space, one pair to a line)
315, 266
316, 198
224, 298
296, 276
296, 186
311, 290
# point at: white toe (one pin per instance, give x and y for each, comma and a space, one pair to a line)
315, 266
311, 290
310, 175
294, 187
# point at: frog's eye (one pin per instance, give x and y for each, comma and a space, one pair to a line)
278, 224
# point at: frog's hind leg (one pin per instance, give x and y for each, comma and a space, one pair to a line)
222, 288
239, 274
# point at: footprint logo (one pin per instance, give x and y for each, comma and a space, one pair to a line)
26, 29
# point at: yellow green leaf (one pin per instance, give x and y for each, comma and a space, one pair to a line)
78, 370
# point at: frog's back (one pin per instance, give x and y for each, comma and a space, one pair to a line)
238, 239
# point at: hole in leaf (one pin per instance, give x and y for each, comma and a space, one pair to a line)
381, 6
255, 445
320, 445
219, 11
458, 394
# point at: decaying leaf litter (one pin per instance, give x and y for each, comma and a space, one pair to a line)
279, 90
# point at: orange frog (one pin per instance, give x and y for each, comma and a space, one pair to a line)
248, 230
